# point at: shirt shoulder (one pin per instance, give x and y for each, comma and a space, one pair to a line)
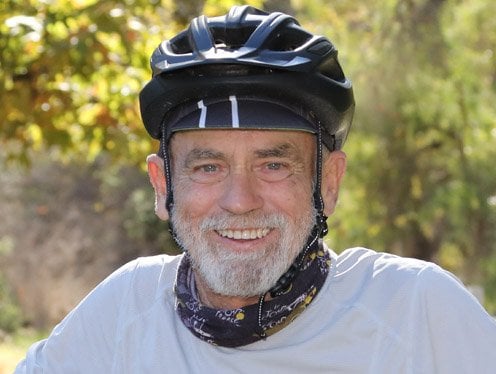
385, 275
86, 340
393, 272
159, 268
142, 280
363, 258
419, 304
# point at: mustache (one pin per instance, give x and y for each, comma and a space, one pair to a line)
225, 221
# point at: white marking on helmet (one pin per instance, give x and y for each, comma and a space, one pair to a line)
203, 114
234, 111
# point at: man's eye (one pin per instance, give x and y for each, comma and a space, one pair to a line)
208, 173
274, 171
274, 166
209, 168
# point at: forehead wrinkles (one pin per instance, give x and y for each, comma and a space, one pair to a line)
283, 150
186, 150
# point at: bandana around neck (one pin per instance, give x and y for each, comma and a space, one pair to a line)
242, 326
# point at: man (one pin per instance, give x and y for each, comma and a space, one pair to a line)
252, 111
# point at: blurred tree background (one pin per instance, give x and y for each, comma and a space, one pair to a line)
421, 180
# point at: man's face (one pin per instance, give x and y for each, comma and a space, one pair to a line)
243, 205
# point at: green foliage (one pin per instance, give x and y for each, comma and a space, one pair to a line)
6, 245
420, 179
490, 285
142, 224
129, 189
10, 314
217, 7
71, 72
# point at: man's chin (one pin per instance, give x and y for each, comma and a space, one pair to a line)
245, 279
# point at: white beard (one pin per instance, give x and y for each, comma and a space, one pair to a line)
231, 273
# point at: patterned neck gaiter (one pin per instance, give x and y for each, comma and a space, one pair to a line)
242, 326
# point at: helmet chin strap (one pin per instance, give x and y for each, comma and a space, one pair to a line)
319, 230
321, 221
169, 201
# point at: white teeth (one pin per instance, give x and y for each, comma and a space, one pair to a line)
244, 234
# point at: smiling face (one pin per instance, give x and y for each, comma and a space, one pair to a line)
243, 205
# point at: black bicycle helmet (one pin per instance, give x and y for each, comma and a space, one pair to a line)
249, 53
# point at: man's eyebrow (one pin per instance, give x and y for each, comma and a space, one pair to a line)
281, 150
202, 154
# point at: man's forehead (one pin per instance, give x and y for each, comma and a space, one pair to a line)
262, 143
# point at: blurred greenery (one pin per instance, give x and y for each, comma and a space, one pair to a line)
10, 314
421, 179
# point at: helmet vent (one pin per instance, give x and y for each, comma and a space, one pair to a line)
289, 40
181, 45
232, 38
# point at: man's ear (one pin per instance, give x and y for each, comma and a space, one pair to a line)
333, 169
157, 179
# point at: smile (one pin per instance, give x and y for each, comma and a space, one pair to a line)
244, 234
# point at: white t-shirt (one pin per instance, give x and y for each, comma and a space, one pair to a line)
377, 313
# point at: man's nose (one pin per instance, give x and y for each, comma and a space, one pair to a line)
241, 193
